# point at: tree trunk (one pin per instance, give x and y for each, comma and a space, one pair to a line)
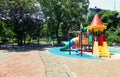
20, 40
57, 36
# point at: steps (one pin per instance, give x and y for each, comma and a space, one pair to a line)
101, 51
104, 52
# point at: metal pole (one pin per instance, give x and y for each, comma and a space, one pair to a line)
81, 42
69, 43
93, 39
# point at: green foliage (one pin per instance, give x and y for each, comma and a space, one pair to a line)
2, 27
20, 17
111, 18
112, 35
63, 15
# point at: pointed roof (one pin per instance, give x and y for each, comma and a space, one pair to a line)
96, 21
96, 24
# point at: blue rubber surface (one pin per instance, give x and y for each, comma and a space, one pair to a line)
113, 50
56, 50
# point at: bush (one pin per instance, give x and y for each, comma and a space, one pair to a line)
110, 44
5, 40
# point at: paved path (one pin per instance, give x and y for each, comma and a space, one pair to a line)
21, 64
36, 63
54, 67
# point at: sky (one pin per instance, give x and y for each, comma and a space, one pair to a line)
105, 4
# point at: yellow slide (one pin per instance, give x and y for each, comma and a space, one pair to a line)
96, 49
104, 52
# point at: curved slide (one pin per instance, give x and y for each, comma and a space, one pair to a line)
72, 42
75, 41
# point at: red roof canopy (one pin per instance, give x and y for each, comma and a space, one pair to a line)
96, 24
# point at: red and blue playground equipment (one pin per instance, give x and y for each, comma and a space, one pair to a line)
99, 47
76, 43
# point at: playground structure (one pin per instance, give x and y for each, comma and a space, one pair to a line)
82, 42
89, 41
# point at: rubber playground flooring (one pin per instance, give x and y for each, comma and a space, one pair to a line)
85, 55
56, 50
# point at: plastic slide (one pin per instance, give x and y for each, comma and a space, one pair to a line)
96, 49
70, 43
65, 47
75, 41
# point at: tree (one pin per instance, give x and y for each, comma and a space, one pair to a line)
110, 18
112, 36
63, 14
21, 16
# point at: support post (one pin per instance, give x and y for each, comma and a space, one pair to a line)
81, 43
93, 39
69, 43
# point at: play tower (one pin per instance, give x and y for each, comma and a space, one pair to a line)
100, 48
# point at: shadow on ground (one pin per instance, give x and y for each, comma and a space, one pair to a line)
24, 48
